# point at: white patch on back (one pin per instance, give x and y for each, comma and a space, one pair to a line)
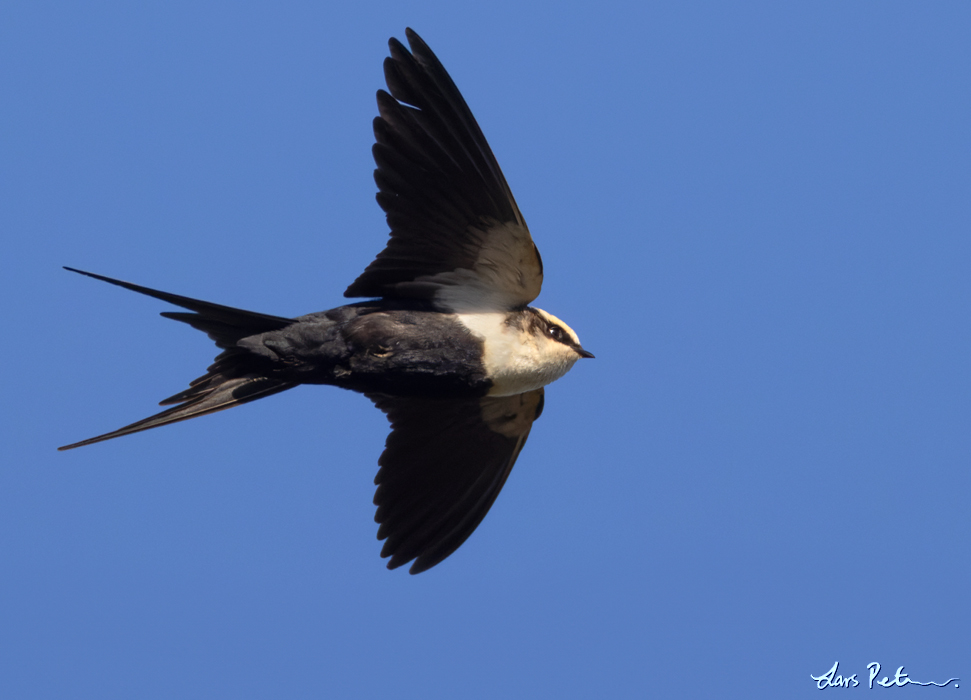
506, 273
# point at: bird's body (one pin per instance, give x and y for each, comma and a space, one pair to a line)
383, 348
449, 348
403, 349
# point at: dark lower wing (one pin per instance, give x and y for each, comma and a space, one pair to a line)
444, 463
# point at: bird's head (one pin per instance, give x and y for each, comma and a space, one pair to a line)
556, 338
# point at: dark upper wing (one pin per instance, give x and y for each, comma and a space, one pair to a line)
443, 466
456, 233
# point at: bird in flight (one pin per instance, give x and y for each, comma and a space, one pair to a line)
447, 346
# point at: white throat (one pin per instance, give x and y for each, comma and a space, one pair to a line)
516, 360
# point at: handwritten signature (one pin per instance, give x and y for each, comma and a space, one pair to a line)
832, 679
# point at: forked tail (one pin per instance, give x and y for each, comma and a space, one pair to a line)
233, 379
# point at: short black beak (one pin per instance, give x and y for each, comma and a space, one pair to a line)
583, 353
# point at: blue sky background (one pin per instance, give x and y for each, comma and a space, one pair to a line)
755, 214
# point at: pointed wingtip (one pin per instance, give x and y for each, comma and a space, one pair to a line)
416, 43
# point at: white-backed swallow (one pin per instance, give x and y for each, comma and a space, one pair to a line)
448, 347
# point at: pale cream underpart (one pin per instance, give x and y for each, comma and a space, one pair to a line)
517, 361
506, 275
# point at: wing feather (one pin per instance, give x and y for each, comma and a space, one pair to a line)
444, 463
457, 235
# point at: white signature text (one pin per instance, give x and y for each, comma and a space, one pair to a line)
832, 679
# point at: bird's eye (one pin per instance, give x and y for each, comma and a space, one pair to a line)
557, 334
